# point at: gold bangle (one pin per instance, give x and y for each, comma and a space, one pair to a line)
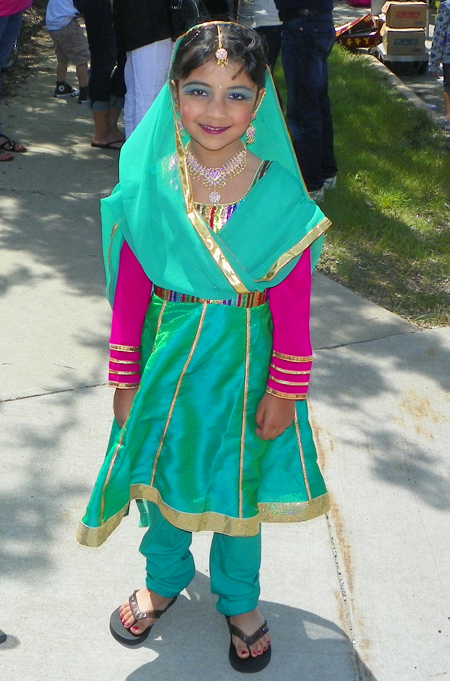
292, 358
124, 348
288, 371
286, 396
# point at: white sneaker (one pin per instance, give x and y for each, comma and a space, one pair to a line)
330, 182
317, 195
445, 124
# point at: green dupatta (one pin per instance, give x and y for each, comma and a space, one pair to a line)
152, 209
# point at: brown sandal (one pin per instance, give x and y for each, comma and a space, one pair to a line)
123, 634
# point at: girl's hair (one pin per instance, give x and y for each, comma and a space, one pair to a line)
199, 46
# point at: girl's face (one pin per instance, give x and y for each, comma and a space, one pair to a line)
216, 106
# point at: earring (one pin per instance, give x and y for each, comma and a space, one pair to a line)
179, 122
250, 132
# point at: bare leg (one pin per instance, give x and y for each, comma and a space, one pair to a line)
447, 103
103, 133
61, 72
82, 75
113, 117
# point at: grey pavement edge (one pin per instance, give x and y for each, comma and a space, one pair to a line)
361, 595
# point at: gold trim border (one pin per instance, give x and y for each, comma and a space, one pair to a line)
286, 396
209, 521
296, 250
292, 358
289, 371
124, 348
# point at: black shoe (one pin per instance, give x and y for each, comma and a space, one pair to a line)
64, 90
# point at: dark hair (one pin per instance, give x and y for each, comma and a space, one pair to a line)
199, 46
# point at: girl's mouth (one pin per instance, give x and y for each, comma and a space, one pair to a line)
213, 130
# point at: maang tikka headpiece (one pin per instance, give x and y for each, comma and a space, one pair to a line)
221, 53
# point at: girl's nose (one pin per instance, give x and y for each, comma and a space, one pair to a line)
216, 108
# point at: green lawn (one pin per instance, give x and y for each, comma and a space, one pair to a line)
390, 239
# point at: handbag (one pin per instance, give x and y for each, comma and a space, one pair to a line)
186, 14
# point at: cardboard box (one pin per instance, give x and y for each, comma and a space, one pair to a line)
406, 14
403, 41
364, 39
362, 24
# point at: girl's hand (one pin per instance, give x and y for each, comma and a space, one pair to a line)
273, 416
122, 403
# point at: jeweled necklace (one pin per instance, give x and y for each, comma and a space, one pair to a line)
216, 178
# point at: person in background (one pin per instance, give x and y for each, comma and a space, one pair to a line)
262, 16
70, 44
307, 39
144, 32
11, 12
440, 54
106, 87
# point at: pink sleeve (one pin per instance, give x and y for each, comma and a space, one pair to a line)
291, 361
131, 299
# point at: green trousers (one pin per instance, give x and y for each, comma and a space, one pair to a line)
234, 564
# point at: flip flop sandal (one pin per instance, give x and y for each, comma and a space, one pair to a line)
123, 634
10, 145
248, 665
108, 145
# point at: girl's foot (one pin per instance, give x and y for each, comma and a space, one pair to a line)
147, 601
250, 622
6, 156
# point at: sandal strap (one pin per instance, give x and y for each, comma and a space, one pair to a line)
7, 145
151, 614
249, 639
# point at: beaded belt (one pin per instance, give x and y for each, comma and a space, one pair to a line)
253, 299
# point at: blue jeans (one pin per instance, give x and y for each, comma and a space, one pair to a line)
306, 45
9, 30
106, 77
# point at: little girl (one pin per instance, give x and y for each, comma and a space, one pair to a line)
209, 249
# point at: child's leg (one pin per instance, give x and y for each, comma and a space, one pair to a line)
234, 568
61, 72
170, 565
170, 568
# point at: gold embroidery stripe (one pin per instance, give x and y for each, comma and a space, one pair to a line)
302, 458
288, 371
197, 221
108, 475
123, 386
177, 389
113, 360
296, 250
158, 323
108, 257
278, 380
292, 358
286, 396
124, 373
244, 412
208, 521
124, 348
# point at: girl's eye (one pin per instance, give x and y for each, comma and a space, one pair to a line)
198, 92
239, 97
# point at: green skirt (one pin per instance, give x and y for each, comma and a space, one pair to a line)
189, 444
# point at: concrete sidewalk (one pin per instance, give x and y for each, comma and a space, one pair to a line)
361, 595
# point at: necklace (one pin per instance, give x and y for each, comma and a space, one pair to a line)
216, 178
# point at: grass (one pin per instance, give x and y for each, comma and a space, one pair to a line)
390, 239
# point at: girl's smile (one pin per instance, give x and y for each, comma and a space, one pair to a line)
216, 104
